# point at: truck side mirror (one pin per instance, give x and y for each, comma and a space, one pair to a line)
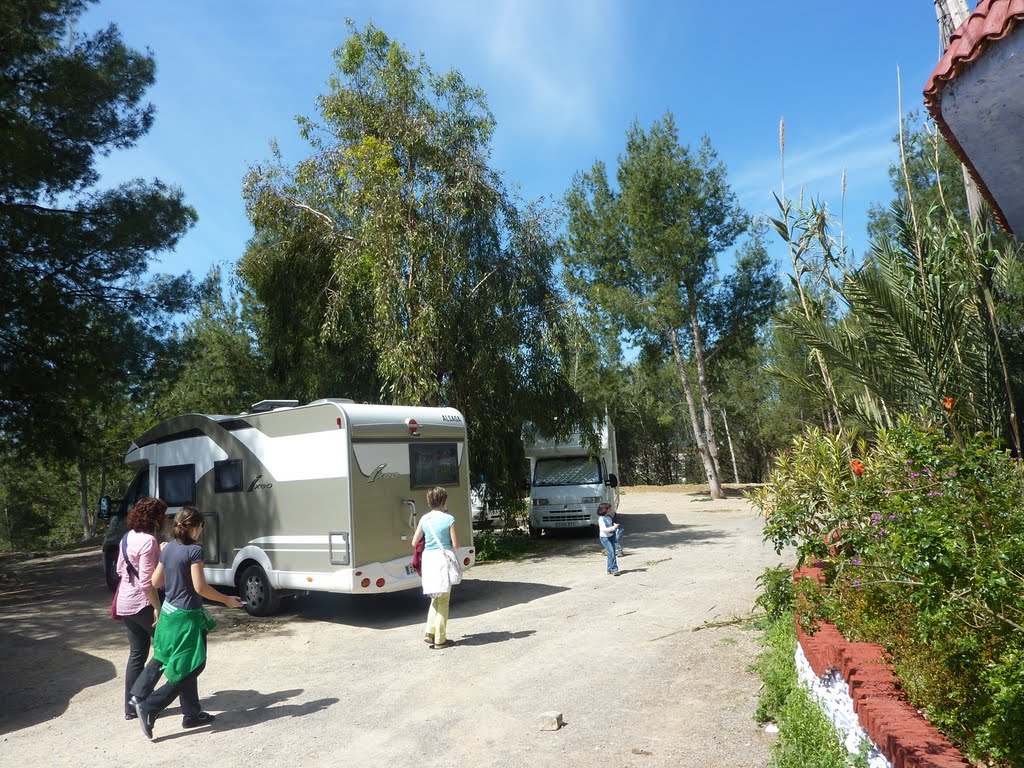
104, 513
613, 481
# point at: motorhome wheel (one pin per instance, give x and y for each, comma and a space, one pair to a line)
535, 532
110, 569
260, 598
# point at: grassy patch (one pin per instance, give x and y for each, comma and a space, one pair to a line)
493, 546
806, 737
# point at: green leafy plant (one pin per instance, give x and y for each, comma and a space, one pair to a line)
925, 556
776, 598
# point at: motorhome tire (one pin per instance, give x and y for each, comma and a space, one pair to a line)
535, 532
110, 570
260, 598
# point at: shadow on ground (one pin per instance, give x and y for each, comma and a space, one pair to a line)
41, 676
474, 596
639, 530
241, 709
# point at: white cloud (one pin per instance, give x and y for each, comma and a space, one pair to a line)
547, 66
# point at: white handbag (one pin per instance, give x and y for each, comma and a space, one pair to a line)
451, 559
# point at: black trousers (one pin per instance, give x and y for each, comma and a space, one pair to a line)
185, 690
140, 639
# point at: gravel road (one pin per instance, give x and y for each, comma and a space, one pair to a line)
647, 668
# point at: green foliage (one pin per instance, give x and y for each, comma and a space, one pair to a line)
218, 368
80, 323
509, 544
423, 280
642, 257
931, 312
806, 500
806, 737
925, 557
777, 593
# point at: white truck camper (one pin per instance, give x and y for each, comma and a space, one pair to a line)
569, 479
319, 497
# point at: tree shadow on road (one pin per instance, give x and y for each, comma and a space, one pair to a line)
246, 708
40, 677
639, 530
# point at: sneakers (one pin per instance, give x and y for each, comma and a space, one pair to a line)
619, 553
194, 721
428, 639
145, 719
445, 644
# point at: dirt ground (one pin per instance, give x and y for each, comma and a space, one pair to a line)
644, 667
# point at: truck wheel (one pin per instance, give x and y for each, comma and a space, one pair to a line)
110, 570
260, 598
534, 532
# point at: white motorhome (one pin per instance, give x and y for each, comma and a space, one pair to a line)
569, 479
319, 497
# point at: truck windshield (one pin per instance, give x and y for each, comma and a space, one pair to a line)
572, 470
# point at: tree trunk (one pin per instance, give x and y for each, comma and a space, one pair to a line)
88, 525
732, 451
714, 485
705, 394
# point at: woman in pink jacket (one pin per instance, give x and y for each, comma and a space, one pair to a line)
138, 603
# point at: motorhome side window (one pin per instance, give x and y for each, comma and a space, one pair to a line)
227, 475
433, 464
177, 485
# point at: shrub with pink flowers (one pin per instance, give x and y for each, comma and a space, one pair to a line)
924, 551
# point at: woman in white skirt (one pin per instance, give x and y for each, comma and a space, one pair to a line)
437, 529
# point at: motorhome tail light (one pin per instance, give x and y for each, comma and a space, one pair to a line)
465, 561
358, 573
414, 428
539, 502
364, 583
591, 499
338, 421
380, 582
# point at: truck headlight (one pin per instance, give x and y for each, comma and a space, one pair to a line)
539, 502
591, 499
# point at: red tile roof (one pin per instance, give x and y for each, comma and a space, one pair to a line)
991, 21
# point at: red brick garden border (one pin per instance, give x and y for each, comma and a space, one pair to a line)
896, 728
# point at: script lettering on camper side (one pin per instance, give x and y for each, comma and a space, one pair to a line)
380, 474
256, 485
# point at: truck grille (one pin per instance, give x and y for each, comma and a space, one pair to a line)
567, 516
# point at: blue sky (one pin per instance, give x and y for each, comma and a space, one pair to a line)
563, 78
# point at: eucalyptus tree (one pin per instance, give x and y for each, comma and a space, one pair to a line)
433, 281
79, 319
644, 254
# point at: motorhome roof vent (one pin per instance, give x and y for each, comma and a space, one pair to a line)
270, 405
323, 400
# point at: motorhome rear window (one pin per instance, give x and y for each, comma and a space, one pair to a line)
567, 471
227, 475
177, 485
433, 464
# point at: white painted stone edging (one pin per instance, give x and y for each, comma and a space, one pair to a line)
833, 697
